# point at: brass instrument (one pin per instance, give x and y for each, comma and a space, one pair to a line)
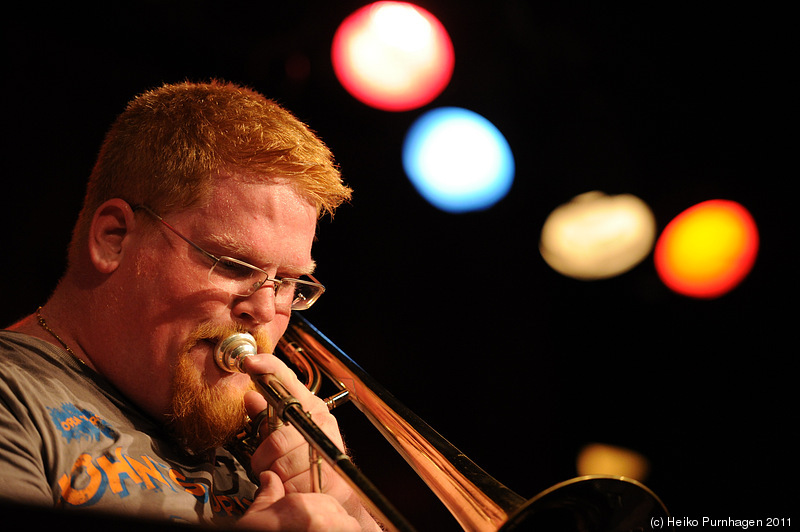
476, 500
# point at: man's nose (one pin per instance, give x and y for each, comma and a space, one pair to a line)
257, 308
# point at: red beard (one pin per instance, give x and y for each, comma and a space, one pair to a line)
205, 416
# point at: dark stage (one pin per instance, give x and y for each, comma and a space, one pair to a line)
458, 315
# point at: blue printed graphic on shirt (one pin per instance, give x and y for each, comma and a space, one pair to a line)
75, 423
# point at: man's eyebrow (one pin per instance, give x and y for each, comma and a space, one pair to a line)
234, 248
307, 270
229, 244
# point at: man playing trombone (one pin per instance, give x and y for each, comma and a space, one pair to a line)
197, 224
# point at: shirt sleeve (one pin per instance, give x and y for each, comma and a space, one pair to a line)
22, 471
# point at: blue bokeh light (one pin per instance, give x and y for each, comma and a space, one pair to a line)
458, 160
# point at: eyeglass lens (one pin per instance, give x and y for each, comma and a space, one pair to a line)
243, 280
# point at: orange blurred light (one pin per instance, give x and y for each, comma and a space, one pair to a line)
393, 56
604, 459
708, 249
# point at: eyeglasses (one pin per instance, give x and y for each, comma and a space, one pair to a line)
242, 279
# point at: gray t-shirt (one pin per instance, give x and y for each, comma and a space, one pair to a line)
68, 438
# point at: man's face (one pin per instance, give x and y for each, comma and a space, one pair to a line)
177, 316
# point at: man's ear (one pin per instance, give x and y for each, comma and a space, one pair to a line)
112, 223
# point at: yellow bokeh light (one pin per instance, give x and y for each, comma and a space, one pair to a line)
708, 249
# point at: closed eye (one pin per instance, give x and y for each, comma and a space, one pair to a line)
235, 269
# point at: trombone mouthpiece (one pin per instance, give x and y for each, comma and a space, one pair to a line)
231, 352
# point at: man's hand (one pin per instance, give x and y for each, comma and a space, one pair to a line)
285, 452
273, 509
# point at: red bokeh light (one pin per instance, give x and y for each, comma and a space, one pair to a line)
393, 56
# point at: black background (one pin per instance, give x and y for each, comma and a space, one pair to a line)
458, 315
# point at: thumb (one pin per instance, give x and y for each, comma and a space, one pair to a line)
270, 491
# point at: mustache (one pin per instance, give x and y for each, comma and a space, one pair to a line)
216, 332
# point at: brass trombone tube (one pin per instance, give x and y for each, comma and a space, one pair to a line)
476, 500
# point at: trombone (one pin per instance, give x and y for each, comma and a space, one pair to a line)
476, 500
